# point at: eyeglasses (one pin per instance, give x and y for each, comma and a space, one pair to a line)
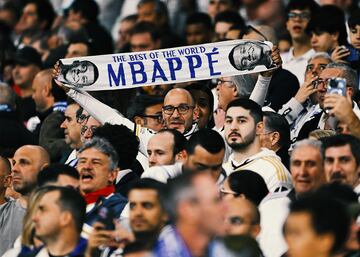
224, 192
85, 128
321, 82
223, 82
157, 117
82, 118
182, 109
301, 15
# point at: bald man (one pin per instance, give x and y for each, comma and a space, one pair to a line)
242, 218
44, 100
11, 212
178, 112
28, 160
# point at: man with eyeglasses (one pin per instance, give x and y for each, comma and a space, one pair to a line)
303, 105
321, 119
242, 217
147, 112
299, 14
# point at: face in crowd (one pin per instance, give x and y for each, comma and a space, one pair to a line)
178, 110
95, 170
306, 169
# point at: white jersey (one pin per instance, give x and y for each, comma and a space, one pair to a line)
273, 211
268, 165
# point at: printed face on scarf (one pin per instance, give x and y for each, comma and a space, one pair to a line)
81, 74
247, 55
94, 169
177, 98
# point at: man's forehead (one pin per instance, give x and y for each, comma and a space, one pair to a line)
93, 153
331, 72
237, 111
143, 194
177, 97
305, 153
339, 150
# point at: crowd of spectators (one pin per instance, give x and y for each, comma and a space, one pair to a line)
260, 164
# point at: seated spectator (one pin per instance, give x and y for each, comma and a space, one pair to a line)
315, 216
144, 37
276, 135
199, 29
36, 20
13, 133
224, 21
86, 12
242, 218
125, 26
126, 146
245, 184
166, 148
97, 165
58, 175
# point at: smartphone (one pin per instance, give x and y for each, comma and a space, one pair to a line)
106, 217
354, 54
336, 86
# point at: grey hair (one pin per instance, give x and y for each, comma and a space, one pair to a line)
104, 146
310, 143
324, 55
348, 73
7, 95
244, 84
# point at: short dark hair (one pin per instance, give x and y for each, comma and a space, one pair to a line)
45, 11
148, 183
275, 122
230, 17
311, 5
255, 109
354, 19
124, 141
131, 17
146, 27
208, 139
69, 200
327, 216
141, 103
330, 19
200, 18
179, 140
250, 184
89, 9
7, 164
52, 172
342, 140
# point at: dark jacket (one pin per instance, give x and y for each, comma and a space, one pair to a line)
13, 133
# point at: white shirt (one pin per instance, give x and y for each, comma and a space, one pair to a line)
296, 65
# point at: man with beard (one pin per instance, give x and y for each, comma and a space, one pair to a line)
178, 113
342, 160
243, 126
147, 217
28, 160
